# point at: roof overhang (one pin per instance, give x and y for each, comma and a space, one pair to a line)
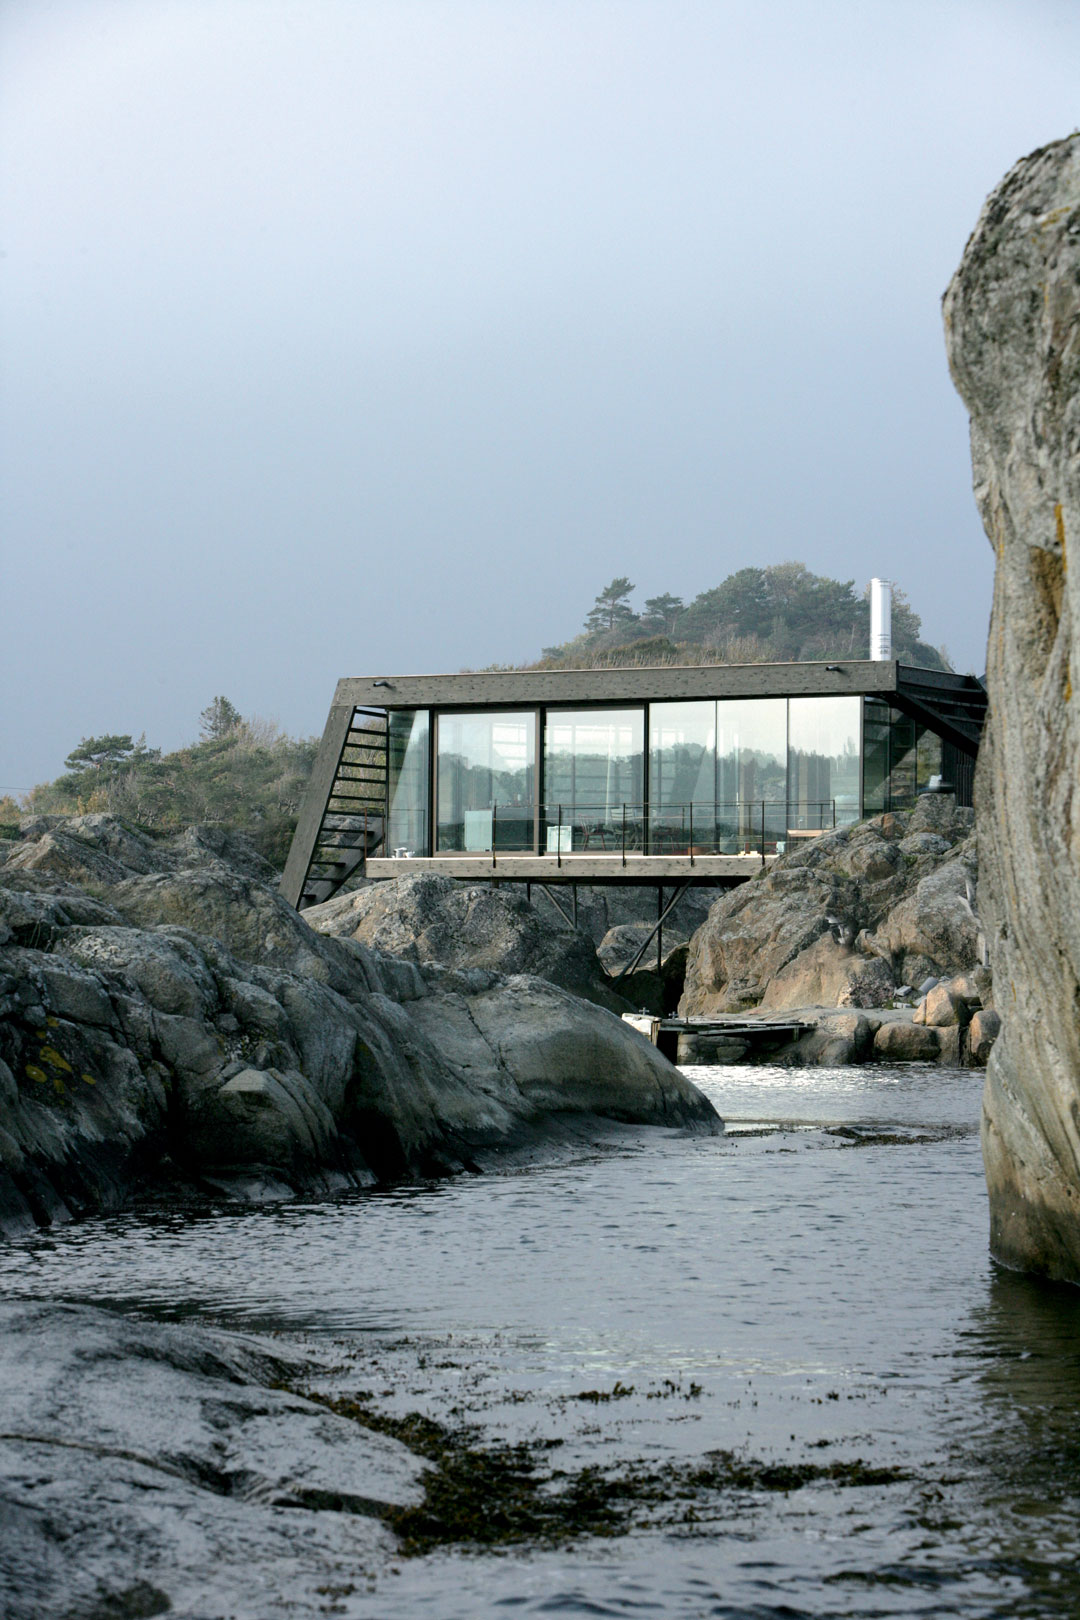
654, 683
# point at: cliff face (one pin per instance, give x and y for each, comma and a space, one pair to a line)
1012, 319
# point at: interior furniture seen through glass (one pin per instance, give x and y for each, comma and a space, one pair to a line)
594, 779
486, 778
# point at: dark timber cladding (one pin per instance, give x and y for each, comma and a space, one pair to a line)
528, 825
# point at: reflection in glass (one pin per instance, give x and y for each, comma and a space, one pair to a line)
751, 773
824, 777
900, 757
593, 767
682, 777
486, 776
407, 743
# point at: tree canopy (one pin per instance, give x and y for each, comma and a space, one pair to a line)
770, 614
98, 753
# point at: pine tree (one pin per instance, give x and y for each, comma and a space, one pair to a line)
218, 719
98, 753
662, 612
612, 606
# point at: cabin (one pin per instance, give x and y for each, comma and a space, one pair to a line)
660, 775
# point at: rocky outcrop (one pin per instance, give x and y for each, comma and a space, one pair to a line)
1012, 319
136, 1458
429, 918
163, 1011
844, 920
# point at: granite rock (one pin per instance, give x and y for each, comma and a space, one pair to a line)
1012, 320
194, 1026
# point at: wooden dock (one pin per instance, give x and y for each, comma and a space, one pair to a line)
714, 1039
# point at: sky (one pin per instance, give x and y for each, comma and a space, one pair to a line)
347, 338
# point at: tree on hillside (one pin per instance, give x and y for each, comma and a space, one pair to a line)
661, 613
99, 753
612, 606
218, 719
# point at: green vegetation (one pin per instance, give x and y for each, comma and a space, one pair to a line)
757, 615
241, 774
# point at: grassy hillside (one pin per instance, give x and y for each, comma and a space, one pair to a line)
242, 774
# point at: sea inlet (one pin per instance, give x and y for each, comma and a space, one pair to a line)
791, 1336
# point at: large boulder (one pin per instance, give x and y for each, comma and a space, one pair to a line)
845, 918
1012, 320
193, 1024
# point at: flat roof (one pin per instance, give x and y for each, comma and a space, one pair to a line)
655, 682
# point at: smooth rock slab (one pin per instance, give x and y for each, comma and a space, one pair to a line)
141, 1464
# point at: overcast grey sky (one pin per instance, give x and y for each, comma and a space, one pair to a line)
346, 337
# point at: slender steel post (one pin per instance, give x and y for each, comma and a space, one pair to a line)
763, 832
624, 835
494, 830
691, 832
558, 841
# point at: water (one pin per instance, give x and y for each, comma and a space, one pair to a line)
814, 1286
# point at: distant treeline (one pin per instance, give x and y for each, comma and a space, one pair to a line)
757, 615
243, 774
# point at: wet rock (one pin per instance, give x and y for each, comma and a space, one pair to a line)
135, 1457
1011, 316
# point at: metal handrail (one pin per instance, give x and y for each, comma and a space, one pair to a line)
698, 827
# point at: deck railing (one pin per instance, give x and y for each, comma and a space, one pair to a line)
756, 828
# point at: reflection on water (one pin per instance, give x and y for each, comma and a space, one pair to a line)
813, 1291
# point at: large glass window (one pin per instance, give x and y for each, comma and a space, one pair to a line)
486, 781
751, 773
682, 777
823, 761
407, 742
900, 757
594, 778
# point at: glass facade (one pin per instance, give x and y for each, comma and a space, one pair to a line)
594, 778
824, 762
717, 775
409, 785
706, 777
682, 777
900, 756
751, 773
486, 776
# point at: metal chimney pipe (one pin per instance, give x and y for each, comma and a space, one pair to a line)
880, 620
